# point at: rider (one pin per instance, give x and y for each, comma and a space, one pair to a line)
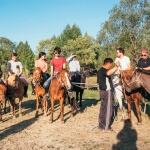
144, 63
74, 65
15, 66
57, 63
41, 63
124, 65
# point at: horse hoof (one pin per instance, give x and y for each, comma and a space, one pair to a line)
139, 123
14, 117
50, 121
62, 122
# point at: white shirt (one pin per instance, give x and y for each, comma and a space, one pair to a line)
73, 65
123, 62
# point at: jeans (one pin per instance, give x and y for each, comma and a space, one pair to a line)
47, 83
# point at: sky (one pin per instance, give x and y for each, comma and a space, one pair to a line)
36, 20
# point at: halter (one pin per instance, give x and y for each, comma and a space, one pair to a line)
137, 79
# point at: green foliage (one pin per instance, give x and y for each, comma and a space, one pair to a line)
128, 26
26, 56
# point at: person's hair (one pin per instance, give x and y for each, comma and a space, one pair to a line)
57, 49
108, 60
14, 54
41, 54
121, 50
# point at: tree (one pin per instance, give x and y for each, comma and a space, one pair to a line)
6, 48
126, 27
26, 56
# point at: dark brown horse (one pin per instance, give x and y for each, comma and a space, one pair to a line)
15, 89
133, 96
3, 89
79, 82
39, 90
57, 91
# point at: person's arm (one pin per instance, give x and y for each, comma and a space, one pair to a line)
146, 68
52, 71
69, 59
78, 66
64, 66
111, 71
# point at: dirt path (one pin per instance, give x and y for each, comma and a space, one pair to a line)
77, 133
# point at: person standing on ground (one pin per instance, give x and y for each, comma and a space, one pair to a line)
106, 93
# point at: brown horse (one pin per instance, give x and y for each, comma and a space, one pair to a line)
133, 96
39, 90
140, 78
59, 84
15, 89
3, 89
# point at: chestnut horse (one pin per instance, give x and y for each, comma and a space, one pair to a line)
39, 90
57, 91
3, 89
133, 96
15, 89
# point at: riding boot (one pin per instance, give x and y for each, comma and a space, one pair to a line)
25, 91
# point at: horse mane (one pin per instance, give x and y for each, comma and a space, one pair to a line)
127, 73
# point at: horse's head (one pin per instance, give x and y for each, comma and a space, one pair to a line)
134, 82
12, 79
126, 76
86, 71
65, 78
37, 74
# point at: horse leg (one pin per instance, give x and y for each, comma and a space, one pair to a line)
0, 112
81, 93
52, 110
20, 106
137, 105
129, 110
5, 106
37, 106
44, 106
72, 107
12, 101
62, 109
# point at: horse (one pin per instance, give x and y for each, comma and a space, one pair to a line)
79, 81
133, 96
39, 90
3, 89
140, 78
15, 89
57, 91
118, 93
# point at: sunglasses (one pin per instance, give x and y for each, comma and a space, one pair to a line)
143, 55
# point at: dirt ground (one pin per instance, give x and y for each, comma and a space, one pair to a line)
77, 133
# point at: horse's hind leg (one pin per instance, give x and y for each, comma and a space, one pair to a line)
20, 106
129, 110
137, 105
0, 112
37, 106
